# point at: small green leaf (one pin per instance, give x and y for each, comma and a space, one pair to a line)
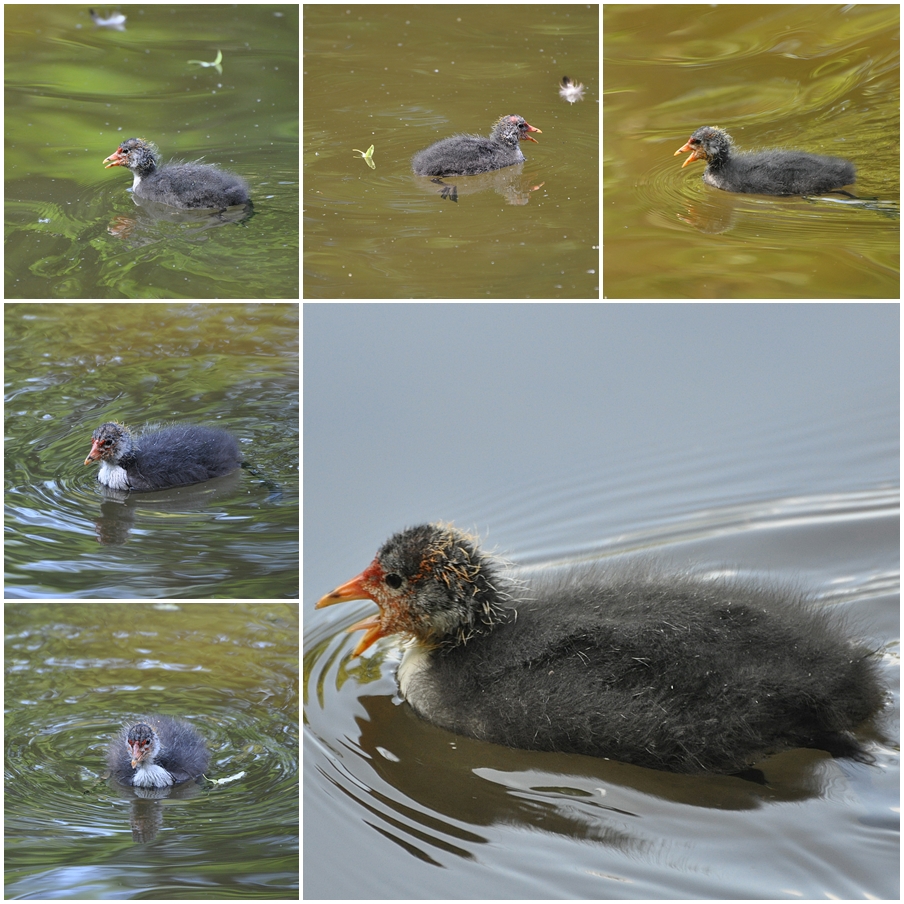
367, 155
215, 63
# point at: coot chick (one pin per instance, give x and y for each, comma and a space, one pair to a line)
468, 155
156, 752
160, 459
185, 185
667, 671
764, 172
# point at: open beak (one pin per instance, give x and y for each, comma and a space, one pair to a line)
697, 153
116, 159
526, 137
356, 590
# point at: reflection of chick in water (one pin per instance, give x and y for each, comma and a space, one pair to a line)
156, 752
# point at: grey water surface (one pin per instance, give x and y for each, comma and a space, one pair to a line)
759, 440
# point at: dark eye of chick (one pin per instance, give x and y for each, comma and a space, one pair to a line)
393, 581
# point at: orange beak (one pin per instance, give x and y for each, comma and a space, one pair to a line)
116, 159
697, 153
355, 589
95, 452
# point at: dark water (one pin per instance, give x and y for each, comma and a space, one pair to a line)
774, 77
402, 77
77, 90
74, 674
761, 439
72, 367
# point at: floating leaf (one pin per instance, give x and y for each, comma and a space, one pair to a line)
367, 155
215, 63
